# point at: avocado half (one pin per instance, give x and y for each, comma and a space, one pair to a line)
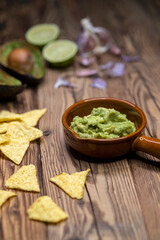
38, 70
9, 86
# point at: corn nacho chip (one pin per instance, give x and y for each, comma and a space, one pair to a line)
19, 131
15, 150
72, 184
29, 118
24, 179
6, 116
3, 127
32, 117
4, 138
20, 137
44, 209
4, 195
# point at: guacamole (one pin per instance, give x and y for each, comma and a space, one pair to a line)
104, 123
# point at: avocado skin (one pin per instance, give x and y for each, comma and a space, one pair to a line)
7, 92
30, 79
9, 86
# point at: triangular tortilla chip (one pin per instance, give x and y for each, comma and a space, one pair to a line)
4, 195
20, 136
6, 116
3, 127
19, 130
24, 179
29, 118
15, 150
44, 209
4, 138
32, 117
72, 184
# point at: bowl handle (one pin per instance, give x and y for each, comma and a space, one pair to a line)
147, 144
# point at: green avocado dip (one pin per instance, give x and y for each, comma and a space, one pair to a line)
103, 123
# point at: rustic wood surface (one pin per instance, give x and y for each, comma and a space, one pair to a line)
121, 198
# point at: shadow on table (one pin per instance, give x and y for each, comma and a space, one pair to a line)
148, 159
81, 157
130, 157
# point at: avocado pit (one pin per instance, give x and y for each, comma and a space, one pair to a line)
21, 60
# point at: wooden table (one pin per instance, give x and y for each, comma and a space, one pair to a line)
121, 198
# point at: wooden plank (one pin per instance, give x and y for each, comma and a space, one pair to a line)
61, 161
142, 83
20, 227
116, 198
84, 91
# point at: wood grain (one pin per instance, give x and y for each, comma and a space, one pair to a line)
121, 197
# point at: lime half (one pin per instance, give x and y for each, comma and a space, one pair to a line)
60, 53
41, 34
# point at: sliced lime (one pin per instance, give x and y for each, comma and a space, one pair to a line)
41, 34
60, 53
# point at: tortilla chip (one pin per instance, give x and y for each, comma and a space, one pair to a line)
72, 184
19, 131
20, 136
24, 179
44, 209
6, 116
32, 117
4, 138
29, 118
3, 127
15, 150
4, 195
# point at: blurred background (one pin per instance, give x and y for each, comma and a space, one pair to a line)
126, 205
138, 19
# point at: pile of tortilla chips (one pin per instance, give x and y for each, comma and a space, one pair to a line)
16, 132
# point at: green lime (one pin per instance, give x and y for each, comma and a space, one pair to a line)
41, 34
60, 53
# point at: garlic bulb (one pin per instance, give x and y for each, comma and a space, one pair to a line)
93, 39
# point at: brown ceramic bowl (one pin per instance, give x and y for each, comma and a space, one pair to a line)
109, 148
